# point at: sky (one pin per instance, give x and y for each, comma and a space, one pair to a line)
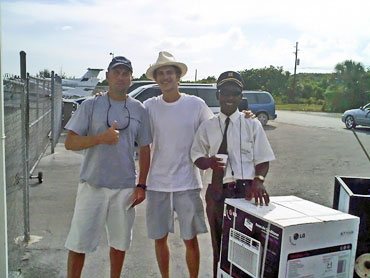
210, 36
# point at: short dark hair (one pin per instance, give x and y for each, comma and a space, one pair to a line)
177, 70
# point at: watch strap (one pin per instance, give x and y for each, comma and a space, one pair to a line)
261, 178
143, 186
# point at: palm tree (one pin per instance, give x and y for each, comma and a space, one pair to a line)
351, 76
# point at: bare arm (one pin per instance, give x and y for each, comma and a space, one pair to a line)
77, 142
144, 164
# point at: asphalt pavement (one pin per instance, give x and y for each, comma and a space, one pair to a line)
307, 160
51, 211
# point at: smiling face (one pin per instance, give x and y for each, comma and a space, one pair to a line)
167, 78
229, 96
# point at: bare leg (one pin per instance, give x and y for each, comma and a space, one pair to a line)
75, 264
163, 256
116, 262
192, 256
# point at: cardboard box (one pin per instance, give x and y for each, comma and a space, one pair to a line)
352, 195
291, 237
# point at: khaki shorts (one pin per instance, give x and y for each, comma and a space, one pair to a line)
160, 210
95, 209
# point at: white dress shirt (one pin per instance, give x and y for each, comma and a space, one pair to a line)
247, 145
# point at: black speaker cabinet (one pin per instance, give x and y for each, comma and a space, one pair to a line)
352, 195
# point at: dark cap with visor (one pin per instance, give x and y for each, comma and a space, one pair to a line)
120, 60
230, 77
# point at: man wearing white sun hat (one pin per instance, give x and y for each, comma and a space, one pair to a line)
174, 183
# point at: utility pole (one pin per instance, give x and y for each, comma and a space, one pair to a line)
296, 62
196, 75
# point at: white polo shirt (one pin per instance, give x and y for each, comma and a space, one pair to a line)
247, 145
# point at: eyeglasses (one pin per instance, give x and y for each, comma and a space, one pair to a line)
127, 116
226, 92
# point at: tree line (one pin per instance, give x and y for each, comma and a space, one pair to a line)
347, 87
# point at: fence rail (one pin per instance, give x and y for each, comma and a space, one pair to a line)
32, 121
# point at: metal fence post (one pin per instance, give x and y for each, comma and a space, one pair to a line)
52, 111
37, 90
25, 136
23, 65
3, 205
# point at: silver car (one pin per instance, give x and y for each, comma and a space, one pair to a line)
354, 117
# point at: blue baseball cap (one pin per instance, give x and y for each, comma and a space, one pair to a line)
120, 60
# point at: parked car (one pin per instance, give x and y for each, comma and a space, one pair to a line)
138, 83
361, 116
69, 106
260, 103
205, 91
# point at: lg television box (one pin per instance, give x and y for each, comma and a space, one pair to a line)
291, 238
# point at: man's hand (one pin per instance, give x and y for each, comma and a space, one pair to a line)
258, 191
248, 114
216, 164
212, 162
139, 196
110, 136
99, 94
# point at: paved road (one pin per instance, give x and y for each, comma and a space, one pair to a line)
311, 119
311, 149
308, 153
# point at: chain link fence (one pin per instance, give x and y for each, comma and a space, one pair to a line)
32, 119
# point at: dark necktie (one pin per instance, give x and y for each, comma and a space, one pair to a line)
217, 177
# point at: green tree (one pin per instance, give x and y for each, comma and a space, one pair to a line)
351, 75
45, 73
271, 79
350, 84
142, 77
208, 80
334, 99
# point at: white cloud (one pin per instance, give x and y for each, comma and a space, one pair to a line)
209, 35
66, 28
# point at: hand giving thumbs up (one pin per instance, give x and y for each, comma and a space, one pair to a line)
111, 135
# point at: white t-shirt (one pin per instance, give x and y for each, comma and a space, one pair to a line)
173, 128
247, 145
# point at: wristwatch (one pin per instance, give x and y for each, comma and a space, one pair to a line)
261, 178
143, 186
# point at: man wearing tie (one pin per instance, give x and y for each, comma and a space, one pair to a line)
248, 152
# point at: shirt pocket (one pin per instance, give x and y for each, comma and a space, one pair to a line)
247, 151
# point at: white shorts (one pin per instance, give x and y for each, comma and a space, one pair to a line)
95, 208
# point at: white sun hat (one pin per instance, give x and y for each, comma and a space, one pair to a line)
166, 59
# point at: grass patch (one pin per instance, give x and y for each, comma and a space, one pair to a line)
300, 107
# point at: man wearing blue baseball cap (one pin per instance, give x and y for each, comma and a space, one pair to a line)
106, 127
243, 144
